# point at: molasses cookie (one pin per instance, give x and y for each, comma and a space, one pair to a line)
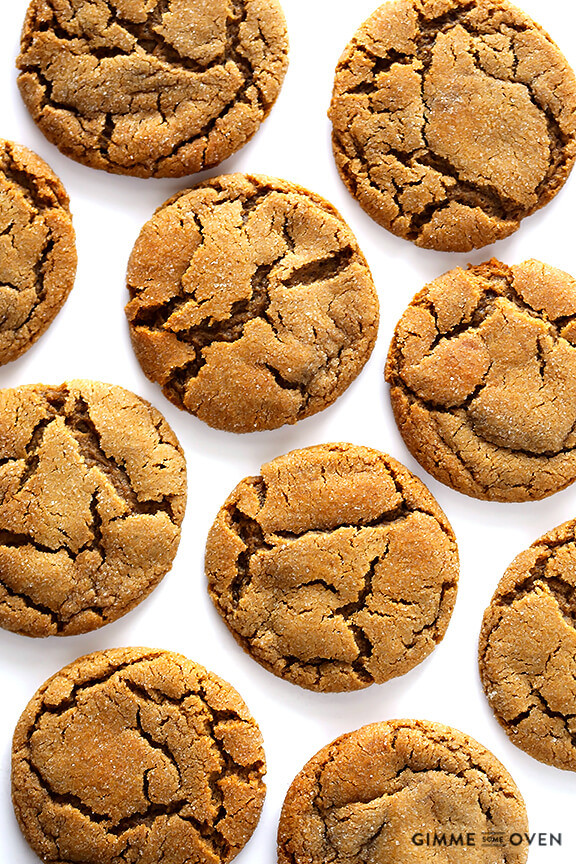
251, 303
92, 495
528, 649
149, 87
482, 374
453, 120
37, 249
335, 568
137, 755
379, 793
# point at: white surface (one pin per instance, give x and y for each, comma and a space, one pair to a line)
90, 339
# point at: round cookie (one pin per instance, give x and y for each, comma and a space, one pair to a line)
92, 496
335, 568
137, 755
148, 87
482, 374
377, 794
527, 649
251, 303
453, 120
37, 249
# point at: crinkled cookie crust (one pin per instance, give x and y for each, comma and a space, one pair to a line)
251, 303
363, 798
335, 568
527, 649
453, 120
482, 374
151, 88
139, 755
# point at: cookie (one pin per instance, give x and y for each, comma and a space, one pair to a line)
527, 650
453, 120
251, 303
384, 792
148, 87
92, 495
37, 249
482, 374
335, 568
137, 755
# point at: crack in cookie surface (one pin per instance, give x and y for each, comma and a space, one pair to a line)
92, 496
163, 88
132, 752
452, 121
251, 303
334, 569
37, 249
363, 797
481, 371
531, 683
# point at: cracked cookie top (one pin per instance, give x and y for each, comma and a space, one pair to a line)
482, 374
251, 303
137, 755
37, 249
92, 495
335, 568
527, 650
151, 88
453, 120
365, 796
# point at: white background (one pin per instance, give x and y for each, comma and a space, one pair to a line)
89, 339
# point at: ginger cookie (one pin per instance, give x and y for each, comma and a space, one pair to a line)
527, 649
151, 88
92, 496
482, 374
37, 249
453, 120
335, 568
383, 792
137, 755
251, 303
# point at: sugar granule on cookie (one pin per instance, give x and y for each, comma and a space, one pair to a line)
335, 568
251, 303
527, 650
453, 120
148, 87
92, 496
482, 374
135, 754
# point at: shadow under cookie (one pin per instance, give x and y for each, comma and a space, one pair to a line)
334, 569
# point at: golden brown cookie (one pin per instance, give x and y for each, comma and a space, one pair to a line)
453, 120
149, 87
381, 793
137, 755
37, 248
251, 303
482, 374
527, 649
92, 496
335, 568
